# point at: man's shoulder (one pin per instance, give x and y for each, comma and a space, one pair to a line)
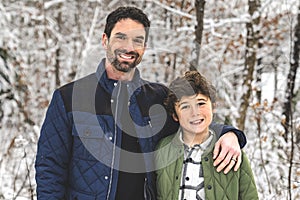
154, 88
83, 82
81, 89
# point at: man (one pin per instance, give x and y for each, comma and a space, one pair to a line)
100, 132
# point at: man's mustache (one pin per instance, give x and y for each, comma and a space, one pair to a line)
123, 51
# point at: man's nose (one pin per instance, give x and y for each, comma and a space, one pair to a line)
129, 45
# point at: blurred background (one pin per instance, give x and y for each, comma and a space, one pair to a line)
249, 49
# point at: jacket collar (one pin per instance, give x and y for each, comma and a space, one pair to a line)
110, 84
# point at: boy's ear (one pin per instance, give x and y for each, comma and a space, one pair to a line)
175, 117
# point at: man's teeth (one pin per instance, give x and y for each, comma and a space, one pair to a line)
126, 56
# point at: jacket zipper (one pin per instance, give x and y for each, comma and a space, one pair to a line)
114, 145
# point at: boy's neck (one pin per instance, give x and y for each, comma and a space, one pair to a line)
193, 139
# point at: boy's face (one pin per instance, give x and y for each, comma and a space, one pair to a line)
194, 114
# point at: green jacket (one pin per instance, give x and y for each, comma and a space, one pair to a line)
232, 186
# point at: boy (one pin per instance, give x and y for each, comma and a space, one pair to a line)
184, 160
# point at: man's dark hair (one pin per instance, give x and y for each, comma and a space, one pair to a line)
126, 13
192, 83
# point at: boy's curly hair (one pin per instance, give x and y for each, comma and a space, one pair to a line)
192, 83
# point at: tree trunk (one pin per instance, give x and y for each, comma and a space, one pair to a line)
251, 48
199, 6
289, 93
58, 50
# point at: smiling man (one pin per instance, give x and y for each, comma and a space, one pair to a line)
100, 132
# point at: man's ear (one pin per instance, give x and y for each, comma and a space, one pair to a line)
175, 117
104, 40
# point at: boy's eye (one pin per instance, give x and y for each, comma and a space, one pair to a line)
201, 103
183, 107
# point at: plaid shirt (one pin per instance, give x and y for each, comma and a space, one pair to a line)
192, 181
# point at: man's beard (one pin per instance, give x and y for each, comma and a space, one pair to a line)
123, 66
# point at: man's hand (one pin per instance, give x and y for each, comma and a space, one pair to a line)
227, 153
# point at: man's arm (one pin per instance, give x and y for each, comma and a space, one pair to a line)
227, 151
53, 152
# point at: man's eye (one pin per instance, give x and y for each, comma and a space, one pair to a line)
138, 41
122, 37
201, 103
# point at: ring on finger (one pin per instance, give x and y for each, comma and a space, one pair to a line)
233, 159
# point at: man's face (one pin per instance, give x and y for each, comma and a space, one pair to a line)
194, 114
126, 45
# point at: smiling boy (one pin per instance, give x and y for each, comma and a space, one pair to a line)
184, 160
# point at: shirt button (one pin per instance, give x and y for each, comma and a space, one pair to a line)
206, 158
187, 178
110, 138
209, 187
105, 177
115, 84
111, 101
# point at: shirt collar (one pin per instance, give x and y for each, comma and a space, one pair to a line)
203, 145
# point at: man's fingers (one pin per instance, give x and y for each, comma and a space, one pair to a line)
216, 150
229, 162
224, 162
238, 163
227, 153
229, 166
221, 158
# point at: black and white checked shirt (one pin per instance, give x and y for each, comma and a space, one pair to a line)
192, 181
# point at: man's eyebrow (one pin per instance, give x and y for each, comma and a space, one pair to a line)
123, 34
120, 33
140, 37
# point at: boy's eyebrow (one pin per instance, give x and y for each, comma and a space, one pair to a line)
198, 99
202, 99
182, 103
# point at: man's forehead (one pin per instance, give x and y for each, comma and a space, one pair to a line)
128, 27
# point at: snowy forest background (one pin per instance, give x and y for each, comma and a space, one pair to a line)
249, 49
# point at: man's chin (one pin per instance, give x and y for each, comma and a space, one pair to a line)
125, 67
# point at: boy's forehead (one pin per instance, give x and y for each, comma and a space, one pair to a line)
193, 97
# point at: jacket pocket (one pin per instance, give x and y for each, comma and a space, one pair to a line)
90, 142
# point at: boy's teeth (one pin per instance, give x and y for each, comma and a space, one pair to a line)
197, 121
